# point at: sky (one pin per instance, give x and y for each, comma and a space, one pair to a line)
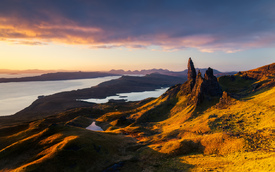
99, 35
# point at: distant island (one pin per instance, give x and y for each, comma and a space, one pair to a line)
58, 76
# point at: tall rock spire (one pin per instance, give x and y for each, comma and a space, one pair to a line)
191, 75
212, 86
201, 88
205, 88
191, 70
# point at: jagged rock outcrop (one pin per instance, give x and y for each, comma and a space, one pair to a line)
206, 87
212, 87
201, 88
197, 95
191, 70
225, 101
191, 76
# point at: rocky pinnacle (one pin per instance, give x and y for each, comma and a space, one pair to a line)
191, 70
202, 88
211, 84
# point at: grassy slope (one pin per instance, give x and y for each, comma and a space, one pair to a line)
240, 136
164, 134
252, 120
56, 145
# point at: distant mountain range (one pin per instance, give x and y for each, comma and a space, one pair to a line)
35, 71
168, 72
85, 75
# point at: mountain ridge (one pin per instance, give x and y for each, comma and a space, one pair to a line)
86, 75
183, 73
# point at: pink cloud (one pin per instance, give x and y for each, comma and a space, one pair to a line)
66, 31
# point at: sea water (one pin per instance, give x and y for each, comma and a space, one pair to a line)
132, 96
94, 127
15, 96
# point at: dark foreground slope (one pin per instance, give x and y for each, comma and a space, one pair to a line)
55, 144
186, 129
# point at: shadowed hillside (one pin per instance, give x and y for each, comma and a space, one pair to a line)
205, 124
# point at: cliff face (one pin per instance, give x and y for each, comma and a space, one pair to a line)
202, 88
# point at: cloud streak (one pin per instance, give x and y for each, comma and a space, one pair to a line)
208, 26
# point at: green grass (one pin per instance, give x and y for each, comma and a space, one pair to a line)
236, 84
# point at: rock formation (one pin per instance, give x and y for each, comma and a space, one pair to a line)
212, 87
202, 88
191, 70
191, 76
225, 101
197, 92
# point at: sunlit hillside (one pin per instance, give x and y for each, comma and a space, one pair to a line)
186, 129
